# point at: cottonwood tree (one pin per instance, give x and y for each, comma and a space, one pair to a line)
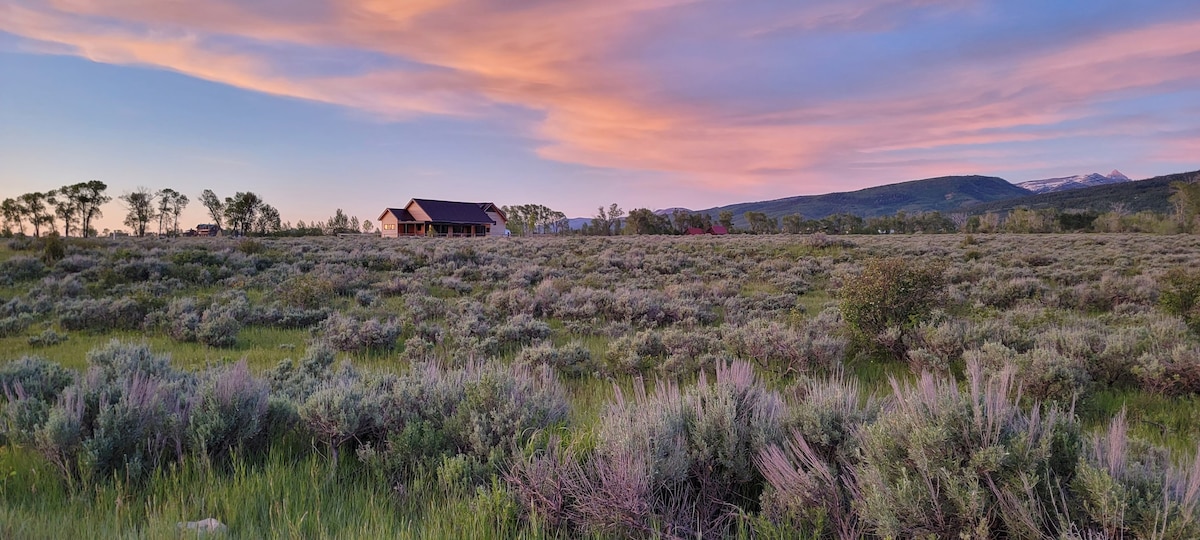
170, 205
216, 209
241, 211
793, 224
725, 218
140, 204
607, 223
66, 206
268, 220
89, 197
760, 223
645, 221
533, 218
36, 211
1185, 196
14, 214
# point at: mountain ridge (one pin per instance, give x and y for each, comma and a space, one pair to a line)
944, 194
1064, 183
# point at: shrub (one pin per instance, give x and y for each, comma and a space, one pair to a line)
305, 291
632, 354
572, 360
1180, 295
298, 380
128, 416
228, 410
669, 464
521, 330
47, 338
1173, 372
38, 378
890, 293
21, 268
101, 314
346, 333
15, 324
1131, 490
218, 327
947, 463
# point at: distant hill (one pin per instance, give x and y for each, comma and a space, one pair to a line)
943, 194
1050, 185
1151, 194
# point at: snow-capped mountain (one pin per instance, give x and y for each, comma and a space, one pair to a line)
1073, 182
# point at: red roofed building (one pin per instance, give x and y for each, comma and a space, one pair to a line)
718, 230
695, 230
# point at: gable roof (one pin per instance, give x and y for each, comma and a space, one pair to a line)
401, 214
453, 212
490, 207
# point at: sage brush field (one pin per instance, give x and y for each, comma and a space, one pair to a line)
943, 386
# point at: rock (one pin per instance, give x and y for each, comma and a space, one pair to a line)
208, 525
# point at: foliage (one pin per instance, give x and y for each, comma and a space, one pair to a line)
888, 298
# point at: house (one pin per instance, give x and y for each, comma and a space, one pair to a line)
497, 215
428, 217
693, 231
718, 230
207, 229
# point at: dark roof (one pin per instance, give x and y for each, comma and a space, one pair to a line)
401, 214
489, 207
454, 212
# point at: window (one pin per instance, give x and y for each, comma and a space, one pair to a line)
389, 226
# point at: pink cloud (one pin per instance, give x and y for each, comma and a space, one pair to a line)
568, 64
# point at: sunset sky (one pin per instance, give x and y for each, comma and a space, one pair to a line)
362, 104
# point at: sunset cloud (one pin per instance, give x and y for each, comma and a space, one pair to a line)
594, 82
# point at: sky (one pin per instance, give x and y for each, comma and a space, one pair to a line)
364, 104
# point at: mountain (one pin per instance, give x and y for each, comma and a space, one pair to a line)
943, 194
1050, 185
670, 211
1152, 194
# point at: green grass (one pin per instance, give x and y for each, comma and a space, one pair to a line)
283, 497
261, 347
1165, 421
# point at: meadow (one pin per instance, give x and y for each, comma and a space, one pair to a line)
779, 386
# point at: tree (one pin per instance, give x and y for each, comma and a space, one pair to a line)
339, 223
36, 211
268, 220
793, 224
760, 223
170, 205
216, 209
614, 218
241, 211
66, 205
367, 226
645, 221
140, 204
14, 214
89, 197
179, 201
725, 218
1186, 198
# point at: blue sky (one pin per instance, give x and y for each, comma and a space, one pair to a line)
361, 104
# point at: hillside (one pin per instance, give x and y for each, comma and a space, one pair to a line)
1151, 194
944, 194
